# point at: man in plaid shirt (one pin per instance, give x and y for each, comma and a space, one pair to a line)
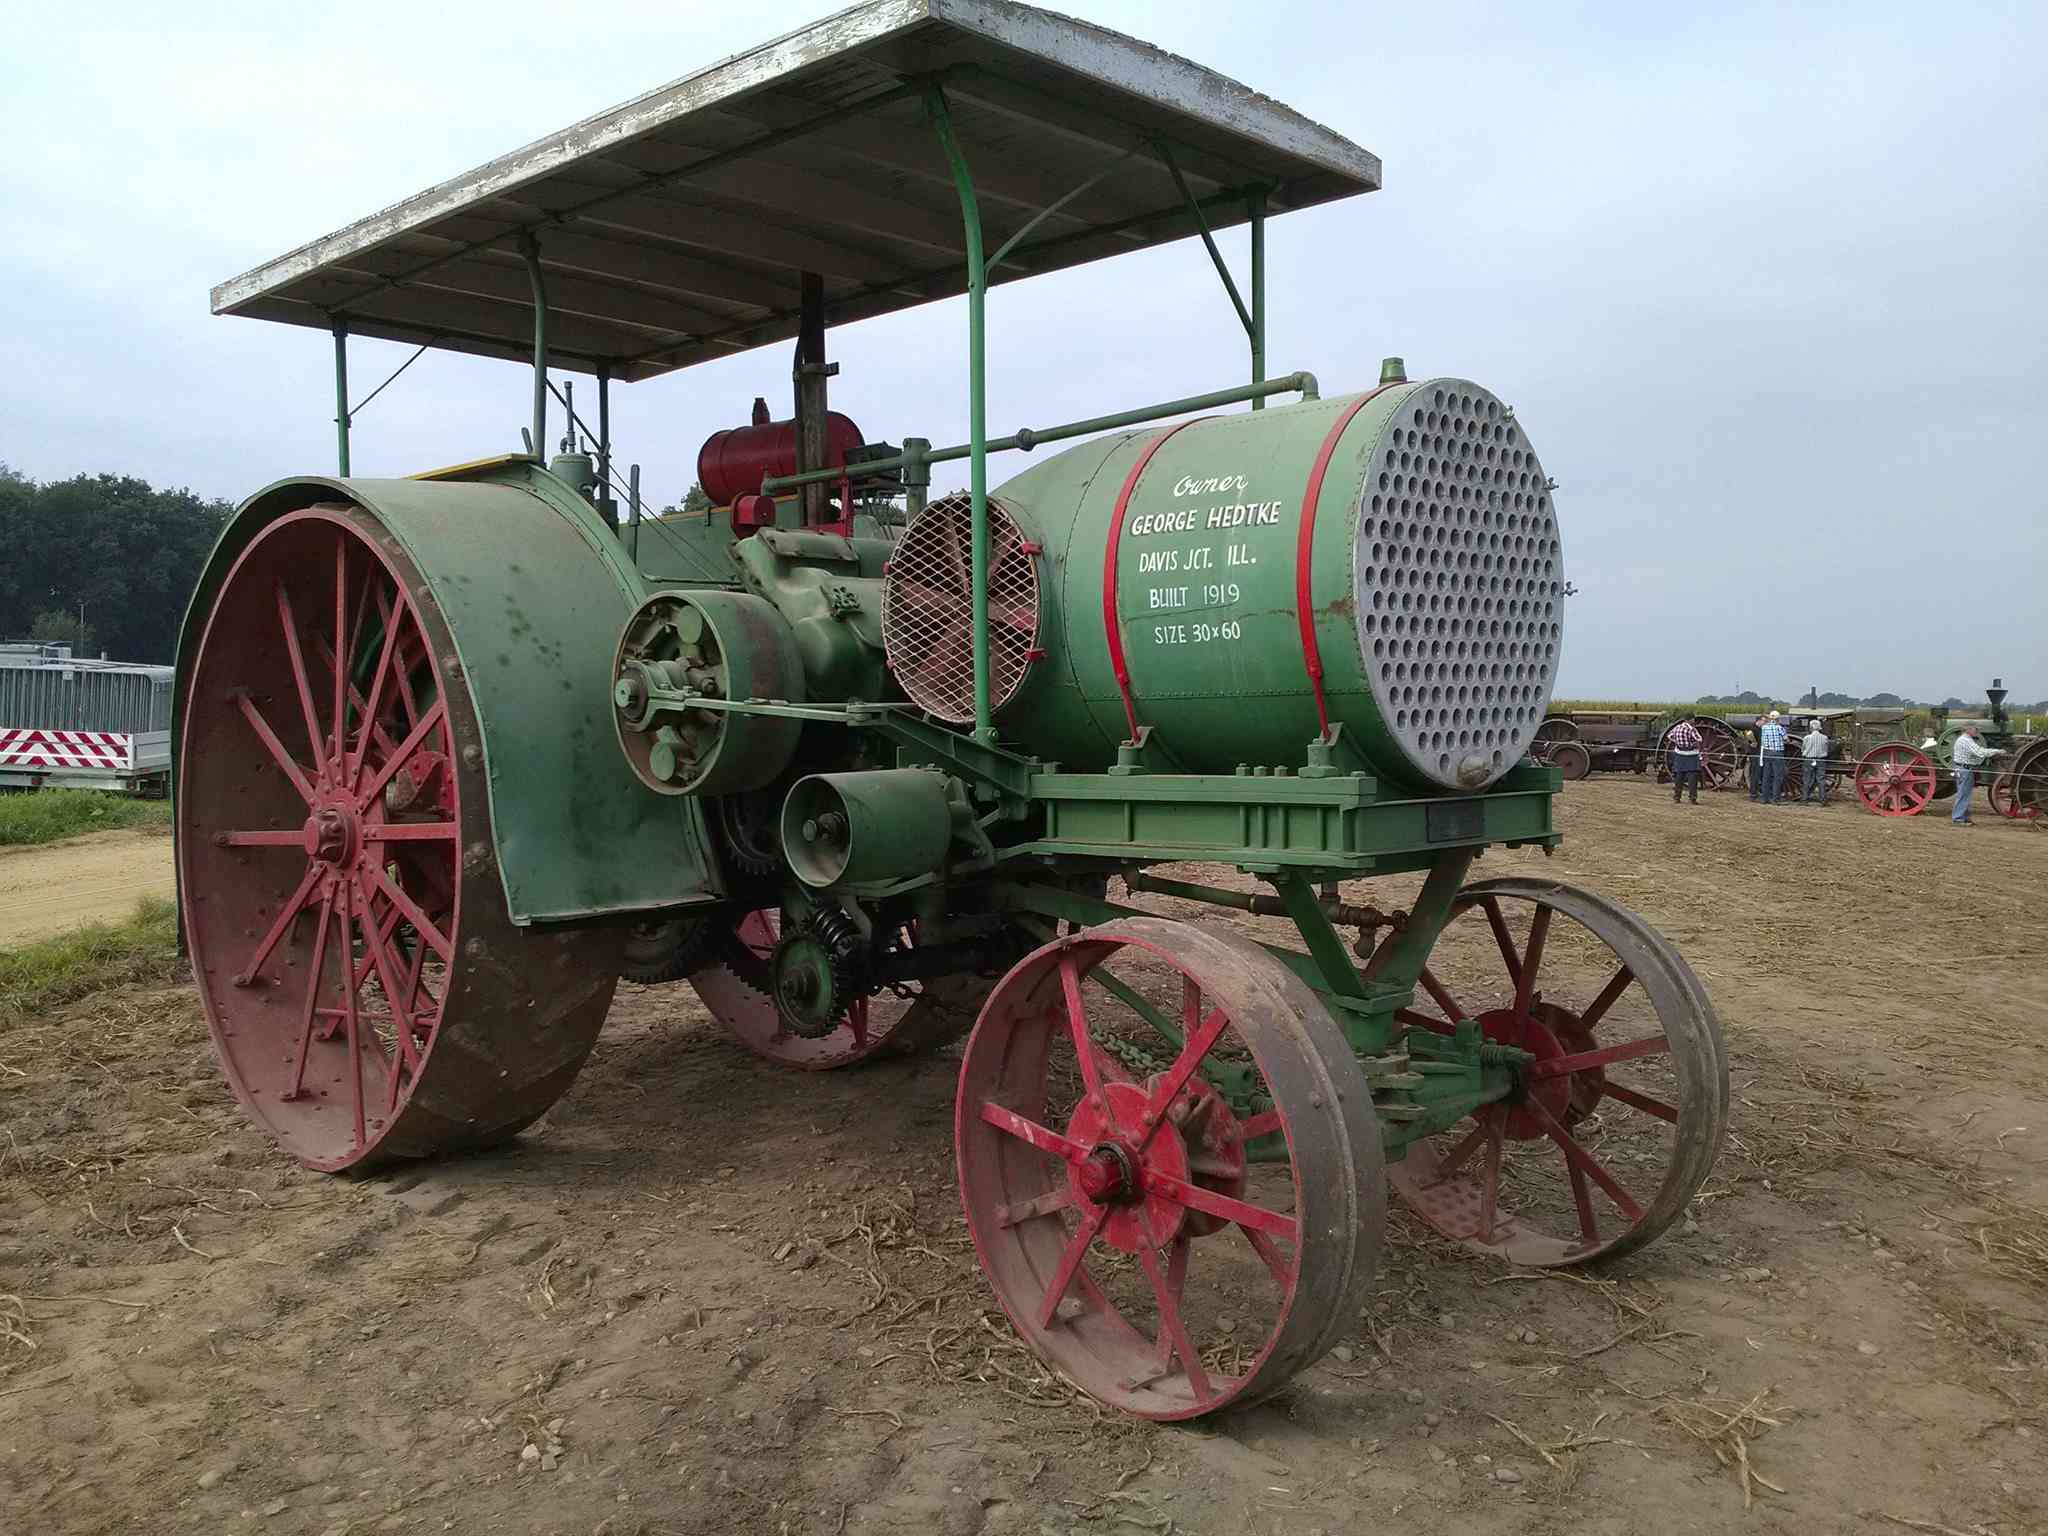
1772, 739
1684, 741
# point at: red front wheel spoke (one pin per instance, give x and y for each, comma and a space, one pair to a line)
1077, 1028
1584, 1162
354, 767
1464, 1149
348, 1003
1210, 1203
1642, 1101
400, 666
268, 737
1261, 1125
1501, 936
1200, 1041
1606, 1055
1416, 1020
1597, 1009
1444, 1000
342, 648
1532, 961
1269, 1253
1170, 1325
1489, 1183
292, 905
422, 924
405, 749
1070, 1264
292, 838
1032, 1133
383, 738
406, 1055
1582, 1202
1055, 1199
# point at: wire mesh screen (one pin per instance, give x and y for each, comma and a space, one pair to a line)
927, 623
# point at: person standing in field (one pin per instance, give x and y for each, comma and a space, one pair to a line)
1684, 742
1753, 745
1772, 737
1970, 755
1814, 747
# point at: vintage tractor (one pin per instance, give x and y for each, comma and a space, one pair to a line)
860, 763
1898, 778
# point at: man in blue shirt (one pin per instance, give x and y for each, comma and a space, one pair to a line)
1772, 737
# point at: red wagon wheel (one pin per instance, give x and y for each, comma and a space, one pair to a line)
368, 995
1895, 779
1572, 759
2002, 792
1614, 1124
735, 985
1169, 1246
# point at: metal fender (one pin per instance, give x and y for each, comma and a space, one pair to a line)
535, 590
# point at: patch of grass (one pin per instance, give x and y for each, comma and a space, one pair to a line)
34, 978
50, 815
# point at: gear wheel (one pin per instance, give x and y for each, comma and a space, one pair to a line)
815, 974
751, 825
669, 950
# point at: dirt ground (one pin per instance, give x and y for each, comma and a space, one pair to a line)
707, 1296
99, 877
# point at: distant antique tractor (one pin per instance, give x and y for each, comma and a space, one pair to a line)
1898, 778
860, 762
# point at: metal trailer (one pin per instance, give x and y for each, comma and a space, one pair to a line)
1901, 778
455, 751
70, 722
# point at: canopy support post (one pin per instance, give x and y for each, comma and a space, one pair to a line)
977, 405
1258, 213
811, 371
529, 247
341, 417
604, 445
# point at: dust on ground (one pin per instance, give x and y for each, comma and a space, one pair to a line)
705, 1295
52, 887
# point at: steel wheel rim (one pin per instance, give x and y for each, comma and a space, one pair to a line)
735, 990
1462, 1182
1895, 780
1042, 1206
1573, 761
292, 854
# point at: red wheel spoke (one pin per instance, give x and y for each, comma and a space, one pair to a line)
1264, 1124
1056, 1199
411, 832
1031, 1132
1170, 1325
384, 739
421, 923
1269, 1253
348, 1003
275, 747
292, 905
1585, 1061
312, 1011
1489, 1184
1597, 1009
406, 1055
1070, 1262
1532, 961
1584, 1162
1582, 1201
293, 838
1501, 936
1199, 1042
390, 609
291, 644
1196, 1198
857, 1020
369, 708
1462, 1151
1077, 1027
1642, 1101
404, 750
341, 649
1416, 1020
1444, 1000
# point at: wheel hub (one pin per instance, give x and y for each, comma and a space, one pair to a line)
1108, 1176
1118, 1174
1539, 1035
332, 835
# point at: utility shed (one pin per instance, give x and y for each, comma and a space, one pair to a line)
676, 228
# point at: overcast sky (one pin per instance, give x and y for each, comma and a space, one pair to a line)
1764, 283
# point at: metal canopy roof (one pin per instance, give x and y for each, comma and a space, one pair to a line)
673, 229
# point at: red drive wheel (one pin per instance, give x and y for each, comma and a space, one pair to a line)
1720, 753
1173, 1226
1895, 779
1614, 1124
735, 985
368, 995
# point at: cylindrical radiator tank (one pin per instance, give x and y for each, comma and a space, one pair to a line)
733, 460
1387, 562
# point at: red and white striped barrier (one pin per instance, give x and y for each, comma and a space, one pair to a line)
27, 748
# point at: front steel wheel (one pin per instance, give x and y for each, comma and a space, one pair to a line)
368, 996
1621, 1113
1169, 1164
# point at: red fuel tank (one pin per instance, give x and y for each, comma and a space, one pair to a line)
731, 463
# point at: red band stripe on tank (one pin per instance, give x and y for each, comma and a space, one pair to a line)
1110, 628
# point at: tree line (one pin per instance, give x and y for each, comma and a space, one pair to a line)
104, 562
1753, 700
